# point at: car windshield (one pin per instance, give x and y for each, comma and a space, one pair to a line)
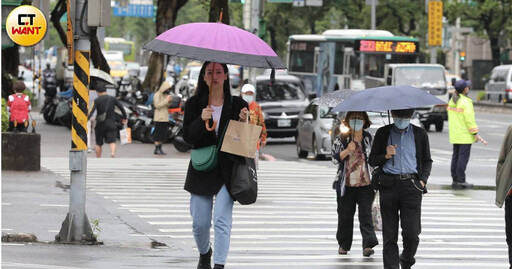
194, 73
325, 112
279, 91
421, 77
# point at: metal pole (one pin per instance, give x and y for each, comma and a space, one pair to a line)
433, 55
374, 3
76, 227
456, 61
255, 22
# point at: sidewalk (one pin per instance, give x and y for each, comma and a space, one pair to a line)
31, 203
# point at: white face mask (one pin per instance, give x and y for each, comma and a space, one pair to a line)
248, 98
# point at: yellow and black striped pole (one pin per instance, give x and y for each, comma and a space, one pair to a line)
80, 100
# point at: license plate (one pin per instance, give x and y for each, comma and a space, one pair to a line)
284, 123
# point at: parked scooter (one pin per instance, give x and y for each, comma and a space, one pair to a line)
177, 130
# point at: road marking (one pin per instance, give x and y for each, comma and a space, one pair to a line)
33, 265
54, 205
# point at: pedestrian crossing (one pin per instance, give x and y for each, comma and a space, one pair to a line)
293, 223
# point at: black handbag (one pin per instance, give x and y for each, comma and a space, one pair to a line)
381, 179
244, 181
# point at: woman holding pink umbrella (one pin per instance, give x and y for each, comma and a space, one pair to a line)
211, 103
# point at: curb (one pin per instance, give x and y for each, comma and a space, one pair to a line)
490, 107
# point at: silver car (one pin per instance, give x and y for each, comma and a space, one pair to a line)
314, 131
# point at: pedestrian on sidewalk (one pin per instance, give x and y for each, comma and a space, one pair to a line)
504, 186
256, 117
106, 128
91, 121
212, 101
161, 101
463, 132
402, 152
350, 152
18, 105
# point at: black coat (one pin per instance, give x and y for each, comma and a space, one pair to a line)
195, 133
423, 159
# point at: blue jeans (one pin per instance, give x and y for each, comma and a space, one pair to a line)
201, 211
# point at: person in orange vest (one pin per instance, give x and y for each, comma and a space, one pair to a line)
18, 105
256, 116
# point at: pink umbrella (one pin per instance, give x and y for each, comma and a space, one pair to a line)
216, 42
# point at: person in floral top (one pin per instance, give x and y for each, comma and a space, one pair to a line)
352, 183
256, 117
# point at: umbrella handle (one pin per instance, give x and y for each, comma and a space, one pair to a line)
211, 129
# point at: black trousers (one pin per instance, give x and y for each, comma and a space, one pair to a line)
401, 201
363, 197
508, 227
460, 159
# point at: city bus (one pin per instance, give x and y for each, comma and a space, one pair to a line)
121, 44
343, 58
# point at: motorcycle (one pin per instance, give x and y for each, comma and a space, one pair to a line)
177, 130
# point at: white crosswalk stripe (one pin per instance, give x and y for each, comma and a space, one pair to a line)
294, 220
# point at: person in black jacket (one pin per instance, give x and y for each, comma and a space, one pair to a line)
402, 152
106, 129
219, 106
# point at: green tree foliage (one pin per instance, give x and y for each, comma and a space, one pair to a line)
489, 18
5, 116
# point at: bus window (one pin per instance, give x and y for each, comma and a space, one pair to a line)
302, 56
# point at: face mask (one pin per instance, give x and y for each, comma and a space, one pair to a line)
356, 124
248, 98
401, 123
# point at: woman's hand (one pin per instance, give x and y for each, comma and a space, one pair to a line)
207, 113
244, 114
351, 147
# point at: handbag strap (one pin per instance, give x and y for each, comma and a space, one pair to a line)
225, 127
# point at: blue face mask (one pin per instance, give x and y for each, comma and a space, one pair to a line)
401, 123
356, 124
248, 98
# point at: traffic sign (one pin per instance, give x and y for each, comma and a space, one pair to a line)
298, 3
314, 3
435, 23
131, 10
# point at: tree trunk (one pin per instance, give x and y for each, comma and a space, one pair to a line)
167, 12
215, 7
495, 51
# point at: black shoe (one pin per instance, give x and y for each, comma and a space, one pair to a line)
367, 252
159, 152
205, 260
218, 266
460, 184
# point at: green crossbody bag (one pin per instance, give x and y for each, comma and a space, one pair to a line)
205, 159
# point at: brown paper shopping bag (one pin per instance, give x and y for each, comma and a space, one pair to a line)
241, 139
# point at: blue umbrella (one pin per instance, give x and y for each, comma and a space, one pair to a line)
333, 98
388, 98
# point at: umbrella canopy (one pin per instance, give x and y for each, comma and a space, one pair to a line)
216, 42
388, 98
334, 98
100, 75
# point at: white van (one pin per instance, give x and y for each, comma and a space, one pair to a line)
499, 86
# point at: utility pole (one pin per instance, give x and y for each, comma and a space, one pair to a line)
456, 43
76, 227
373, 4
254, 27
